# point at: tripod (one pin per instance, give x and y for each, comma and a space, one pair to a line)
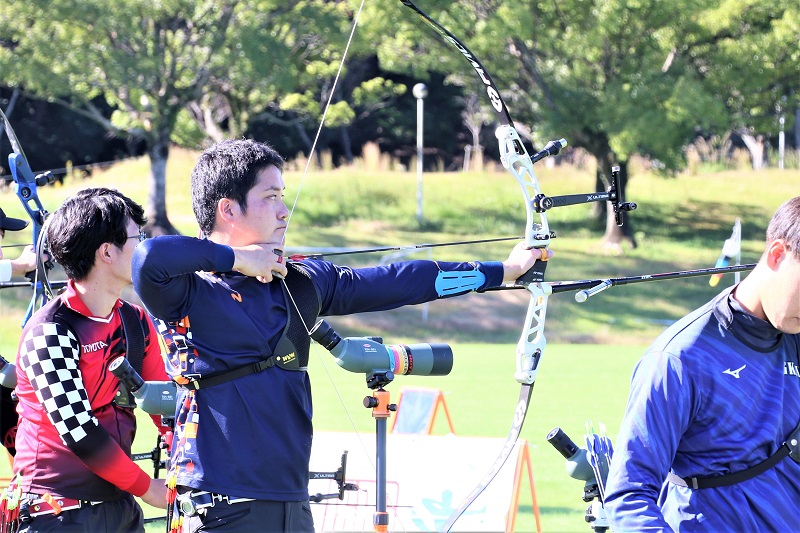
381, 409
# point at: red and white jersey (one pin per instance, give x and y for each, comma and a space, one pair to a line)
72, 440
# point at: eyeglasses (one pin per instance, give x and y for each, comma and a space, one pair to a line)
141, 236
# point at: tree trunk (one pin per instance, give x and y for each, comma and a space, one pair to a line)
797, 129
599, 209
301, 132
157, 221
347, 145
757, 149
477, 158
477, 150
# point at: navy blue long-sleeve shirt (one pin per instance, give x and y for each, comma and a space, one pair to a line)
251, 437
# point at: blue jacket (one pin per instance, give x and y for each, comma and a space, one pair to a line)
718, 392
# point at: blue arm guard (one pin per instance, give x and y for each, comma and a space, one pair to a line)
454, 283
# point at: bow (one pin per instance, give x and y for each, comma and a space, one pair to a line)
27, 192
519, 163
532, 341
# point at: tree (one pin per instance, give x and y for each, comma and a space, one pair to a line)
282, 70
278, 50
185, 71
599, 72
752, 65
148, 60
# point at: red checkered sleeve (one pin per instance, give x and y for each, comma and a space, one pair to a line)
49, 356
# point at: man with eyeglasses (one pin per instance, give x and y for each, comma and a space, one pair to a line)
73, 464
26, 261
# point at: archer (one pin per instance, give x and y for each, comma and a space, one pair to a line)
236, 320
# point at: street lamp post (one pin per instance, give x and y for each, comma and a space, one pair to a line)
420, 91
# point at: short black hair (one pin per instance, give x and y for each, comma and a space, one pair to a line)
228, 170
86, 221
785, 224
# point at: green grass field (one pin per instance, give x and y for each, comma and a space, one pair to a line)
576, 383
681, 223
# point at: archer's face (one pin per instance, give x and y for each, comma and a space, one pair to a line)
264, 221
782, 304
124, 256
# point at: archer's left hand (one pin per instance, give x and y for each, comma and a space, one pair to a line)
521, 259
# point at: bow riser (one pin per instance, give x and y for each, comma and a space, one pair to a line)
27, 191
516, 160
537, 235
532, 342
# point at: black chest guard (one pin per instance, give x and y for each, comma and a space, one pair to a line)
303, 308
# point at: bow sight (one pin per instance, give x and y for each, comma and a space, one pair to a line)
542, 203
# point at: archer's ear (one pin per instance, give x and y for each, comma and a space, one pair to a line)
227, 211
777, 251
103, 254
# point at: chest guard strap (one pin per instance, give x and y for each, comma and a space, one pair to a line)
789, 448
134, 350
293, 347
303, 306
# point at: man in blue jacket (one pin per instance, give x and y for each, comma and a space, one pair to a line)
238, 338
714, 406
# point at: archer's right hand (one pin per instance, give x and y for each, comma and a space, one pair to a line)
264, 262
